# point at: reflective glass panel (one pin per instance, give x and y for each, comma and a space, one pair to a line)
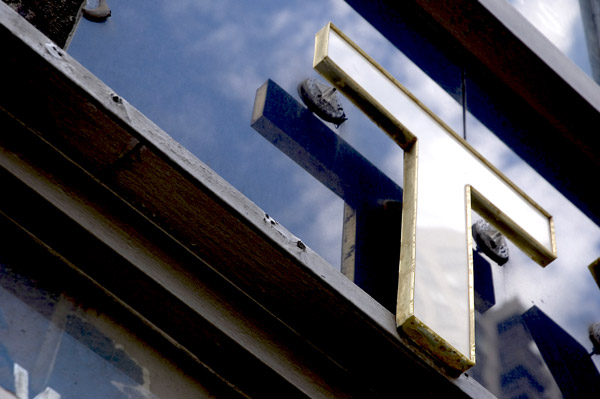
63, 337
194, 66
561, 22
520, 304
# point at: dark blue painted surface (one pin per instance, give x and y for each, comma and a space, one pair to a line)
303, 137
374, 197
483, 282
568, 361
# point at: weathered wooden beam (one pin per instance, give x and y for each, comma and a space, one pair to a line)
55, 19
189, 302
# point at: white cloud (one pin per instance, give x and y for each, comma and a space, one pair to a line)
555, 19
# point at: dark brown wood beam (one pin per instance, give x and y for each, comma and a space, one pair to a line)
56, 19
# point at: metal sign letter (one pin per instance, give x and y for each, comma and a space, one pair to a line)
435, 291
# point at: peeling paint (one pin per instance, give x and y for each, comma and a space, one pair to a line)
54, 50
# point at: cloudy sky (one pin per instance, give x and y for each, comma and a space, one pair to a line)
193, 67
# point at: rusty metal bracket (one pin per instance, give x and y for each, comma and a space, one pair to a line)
98, 14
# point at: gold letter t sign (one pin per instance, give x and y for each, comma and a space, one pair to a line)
435, 291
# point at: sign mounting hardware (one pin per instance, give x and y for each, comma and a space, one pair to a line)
435, 306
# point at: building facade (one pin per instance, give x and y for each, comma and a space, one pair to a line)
196, 261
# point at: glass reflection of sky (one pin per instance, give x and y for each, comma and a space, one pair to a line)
54, 358
559, 21
193, 67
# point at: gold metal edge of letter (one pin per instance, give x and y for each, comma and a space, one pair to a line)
427, 340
